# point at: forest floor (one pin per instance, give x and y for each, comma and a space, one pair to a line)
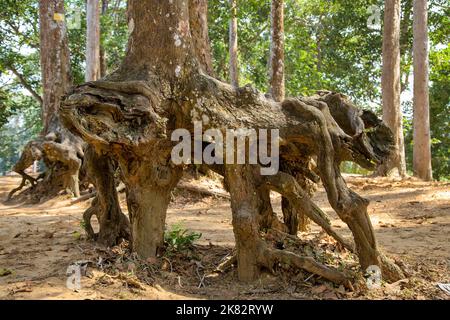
38, 243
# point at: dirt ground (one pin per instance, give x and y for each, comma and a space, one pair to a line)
39, 242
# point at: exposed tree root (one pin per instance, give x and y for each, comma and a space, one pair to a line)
252, 252
63, 158
288, 187
275, 256
200, 190
25, 178
114, 225
227, 264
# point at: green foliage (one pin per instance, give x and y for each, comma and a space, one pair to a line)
439, 112
328, 45
179, 239
20, 128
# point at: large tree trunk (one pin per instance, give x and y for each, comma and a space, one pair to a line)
233, 45
390, 82
276, 61
93, 65
422, 139
161, 87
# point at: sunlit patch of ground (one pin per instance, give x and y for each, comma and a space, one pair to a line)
38, 242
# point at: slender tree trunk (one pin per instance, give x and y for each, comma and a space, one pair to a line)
390, 80
422, 147
277, 89
234, 62
405, 46
103, 59
93, 65
55, 60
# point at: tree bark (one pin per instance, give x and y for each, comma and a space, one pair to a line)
55, 60
233, 45
198, 20
276, 61
391, 88
61, 151
114, 225
160, 87
422, 138
93, 65
149, 182
103, 56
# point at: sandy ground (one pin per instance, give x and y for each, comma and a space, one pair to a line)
39, 242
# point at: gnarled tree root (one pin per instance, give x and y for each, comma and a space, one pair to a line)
275, 256
289, 188
63, 160
114, 225
25, 178
252, 252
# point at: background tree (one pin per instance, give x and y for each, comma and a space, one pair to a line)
60, 150
233, 44
20, 109
422, 138
276, 66
93, 61
391, 87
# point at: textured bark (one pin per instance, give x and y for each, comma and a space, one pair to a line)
422, 138
276, 61
390, 81
103, 57
295, 219
114, 225
93, 65
149, 181
233, 45
252, 251
198, 20
160, 87
55, 60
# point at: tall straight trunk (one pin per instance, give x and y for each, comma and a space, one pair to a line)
277, 89
93, 65
234, 62
422, 147
55, 60
391, 88
198, 20
103, 61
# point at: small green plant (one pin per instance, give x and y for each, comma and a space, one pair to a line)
179, 239
83, 225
